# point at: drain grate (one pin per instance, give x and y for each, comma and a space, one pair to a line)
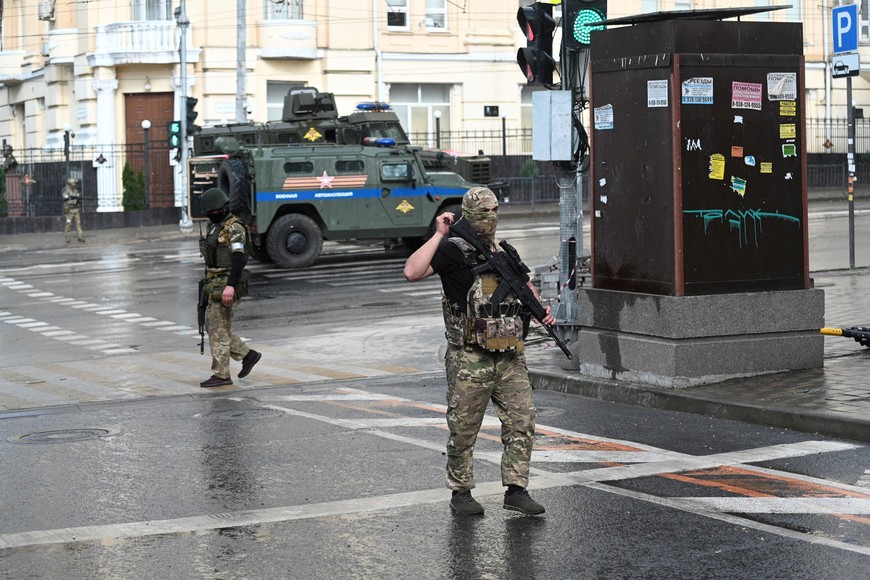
62, 436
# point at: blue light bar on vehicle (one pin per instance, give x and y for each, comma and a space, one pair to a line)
373, 106
380, 141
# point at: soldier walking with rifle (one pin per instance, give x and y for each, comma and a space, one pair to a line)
225, 249
488, 301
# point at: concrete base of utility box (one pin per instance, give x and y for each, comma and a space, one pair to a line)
683, 341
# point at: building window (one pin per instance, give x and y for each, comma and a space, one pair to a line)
682, 4
436, 14
283, 9
152, 9
275, 93
397, 13
864, 19
415, 105
648, 6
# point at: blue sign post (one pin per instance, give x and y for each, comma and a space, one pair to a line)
845, 27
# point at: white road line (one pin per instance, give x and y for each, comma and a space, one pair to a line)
783, 505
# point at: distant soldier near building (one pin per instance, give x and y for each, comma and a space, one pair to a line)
225, 249
72, 210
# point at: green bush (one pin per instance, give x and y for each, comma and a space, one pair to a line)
4, 204
529, 168
134, 189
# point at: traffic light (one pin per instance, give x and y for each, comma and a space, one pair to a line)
190, 113
174, 128
536, 59
579, 20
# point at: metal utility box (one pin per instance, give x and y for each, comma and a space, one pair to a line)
698, 158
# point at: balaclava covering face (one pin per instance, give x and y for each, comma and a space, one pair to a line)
480, 208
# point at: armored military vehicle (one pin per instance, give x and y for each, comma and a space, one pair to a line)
294, 195
310, 116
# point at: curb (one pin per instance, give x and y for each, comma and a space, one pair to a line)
612, 391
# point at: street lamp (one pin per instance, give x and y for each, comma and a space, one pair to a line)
146, 124
437, 129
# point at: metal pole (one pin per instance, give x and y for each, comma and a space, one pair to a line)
66, 147
437, 129
503, 136
183, 24
851, 164
146, 124
241, 67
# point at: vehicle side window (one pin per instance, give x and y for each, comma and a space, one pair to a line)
396, 172
298, 167
353, 166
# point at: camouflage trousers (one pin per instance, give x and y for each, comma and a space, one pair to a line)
473, 379
221, 340
73, 216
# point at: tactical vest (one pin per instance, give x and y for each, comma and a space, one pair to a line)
219, 258
218, 253
493, 328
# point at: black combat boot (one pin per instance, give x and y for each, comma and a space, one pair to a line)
252, 358
517, 499
215, 381
463, 503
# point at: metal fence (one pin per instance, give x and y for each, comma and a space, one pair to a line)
33, 186
817, 135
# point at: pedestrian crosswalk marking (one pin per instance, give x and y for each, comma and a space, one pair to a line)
115, 313
710, 507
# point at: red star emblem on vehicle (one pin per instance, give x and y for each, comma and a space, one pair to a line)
325, 180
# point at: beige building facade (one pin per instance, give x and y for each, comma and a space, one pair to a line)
99, 69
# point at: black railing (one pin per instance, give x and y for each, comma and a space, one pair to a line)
41, 173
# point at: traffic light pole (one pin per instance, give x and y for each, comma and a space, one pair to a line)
186, 224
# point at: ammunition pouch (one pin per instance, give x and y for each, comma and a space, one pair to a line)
215, 285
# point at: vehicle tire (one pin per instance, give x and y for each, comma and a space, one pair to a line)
261, 254
233, 179
455, 209
294, 241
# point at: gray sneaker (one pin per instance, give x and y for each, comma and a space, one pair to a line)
519, 501
464, 504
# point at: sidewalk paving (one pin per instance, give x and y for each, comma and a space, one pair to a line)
833, 400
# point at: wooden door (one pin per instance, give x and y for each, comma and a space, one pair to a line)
159, 109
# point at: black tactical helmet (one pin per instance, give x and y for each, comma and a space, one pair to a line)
214, 199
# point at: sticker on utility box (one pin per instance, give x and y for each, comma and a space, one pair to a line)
657, 93
782, 86
697, 91
604, 117
746, 95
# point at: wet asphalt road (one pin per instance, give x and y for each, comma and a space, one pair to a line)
344, 480
331, 478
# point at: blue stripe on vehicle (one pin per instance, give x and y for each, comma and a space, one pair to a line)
327, 194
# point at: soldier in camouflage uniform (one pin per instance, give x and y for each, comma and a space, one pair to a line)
225, 249
484, 360
72, 210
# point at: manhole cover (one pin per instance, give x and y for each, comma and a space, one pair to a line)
62, 436
241, 414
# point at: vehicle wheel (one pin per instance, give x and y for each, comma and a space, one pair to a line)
294, 241
233, 179
455, 209
260, 253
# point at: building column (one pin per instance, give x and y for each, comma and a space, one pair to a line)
106, 161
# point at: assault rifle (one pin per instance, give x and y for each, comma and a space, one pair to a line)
861, 334
512, 273
202, 301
